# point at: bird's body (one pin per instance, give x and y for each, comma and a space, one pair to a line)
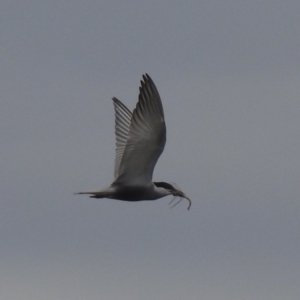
130, 193
140, 140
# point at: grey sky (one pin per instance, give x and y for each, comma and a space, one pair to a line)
228, 74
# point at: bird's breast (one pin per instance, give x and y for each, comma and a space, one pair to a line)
134, 193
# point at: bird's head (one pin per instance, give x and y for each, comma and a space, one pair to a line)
176, 192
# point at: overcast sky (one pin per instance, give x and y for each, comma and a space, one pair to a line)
228, 73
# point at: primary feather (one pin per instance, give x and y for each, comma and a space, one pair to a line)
141, 141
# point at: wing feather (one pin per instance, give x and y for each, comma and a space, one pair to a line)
146, 138
122, 125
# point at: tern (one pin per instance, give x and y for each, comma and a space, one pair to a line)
140, 140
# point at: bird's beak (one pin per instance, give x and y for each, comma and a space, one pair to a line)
178, 193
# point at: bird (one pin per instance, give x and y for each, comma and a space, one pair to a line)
140, 140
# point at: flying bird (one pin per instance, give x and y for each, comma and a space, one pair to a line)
140, 140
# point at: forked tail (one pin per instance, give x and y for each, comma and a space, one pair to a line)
95, 194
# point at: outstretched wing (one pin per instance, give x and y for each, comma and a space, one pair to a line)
146, 138
122, 125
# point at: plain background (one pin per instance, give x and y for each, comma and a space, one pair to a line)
228, 74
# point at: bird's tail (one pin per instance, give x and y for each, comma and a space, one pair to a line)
96, 194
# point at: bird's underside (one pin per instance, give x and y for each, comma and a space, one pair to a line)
125, 193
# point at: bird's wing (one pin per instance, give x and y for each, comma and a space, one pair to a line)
146, 138
122, 124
